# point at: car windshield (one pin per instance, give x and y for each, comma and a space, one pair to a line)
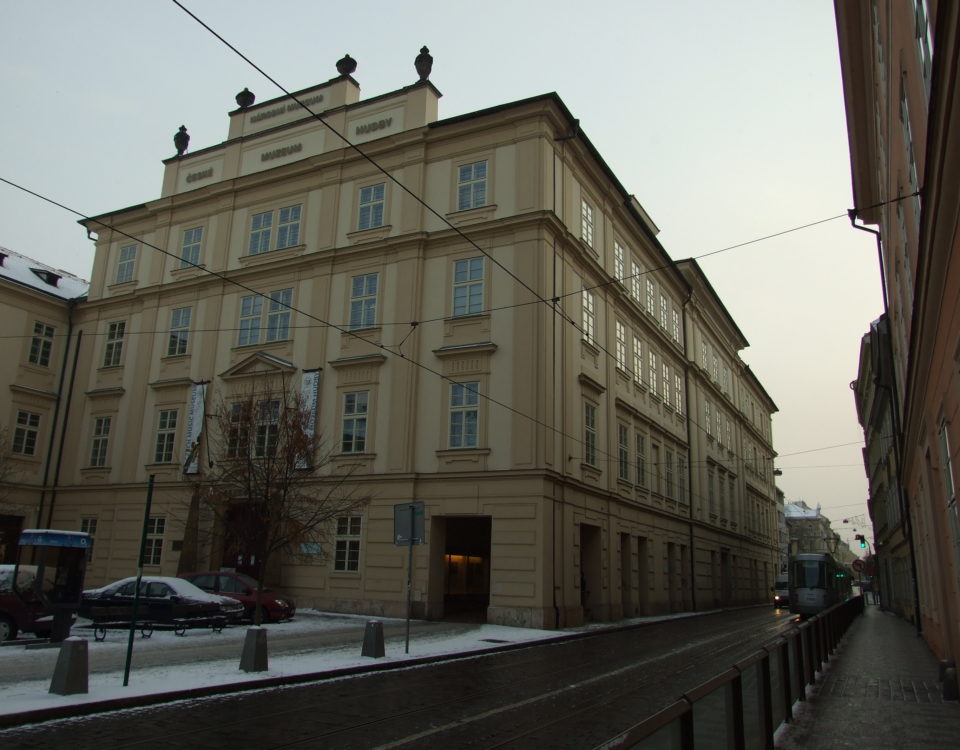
251, 582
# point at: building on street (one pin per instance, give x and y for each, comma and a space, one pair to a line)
487, 324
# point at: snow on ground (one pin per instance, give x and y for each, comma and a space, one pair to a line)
17, 697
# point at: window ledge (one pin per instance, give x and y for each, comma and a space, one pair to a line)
472, 215
271, 255
369, 235
188, 272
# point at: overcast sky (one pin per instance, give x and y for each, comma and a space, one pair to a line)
724, 119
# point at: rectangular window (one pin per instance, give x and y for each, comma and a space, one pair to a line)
468, 286
637, 359
25, 433
354, 435
113, 350
190, 251
681, 479
363, 300
623, 452
472, 185
127, 264
668, 474
101, 441
589, 316
663, 312
278, 315
288, 227
287, 222
153, 551
261, 227
641, 448
41, 345
666, 384
621, 346
590, 434
237, 441
650, 297
677, 334
346, 554
166, 436
89, 526
464, 414
179, 331
268, 428
371, 206
721, 494
618, 262
636, 282
652, 369
279, 303
707, 418
586, 222
678, 393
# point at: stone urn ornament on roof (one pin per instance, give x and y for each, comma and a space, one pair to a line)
245, 98
346, 65
181, 140
423, 63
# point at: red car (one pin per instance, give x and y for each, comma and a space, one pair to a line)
276, 605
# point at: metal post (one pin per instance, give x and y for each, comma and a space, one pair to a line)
406, 648
136, 593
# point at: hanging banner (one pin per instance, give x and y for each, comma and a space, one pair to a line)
195, 414
310, 390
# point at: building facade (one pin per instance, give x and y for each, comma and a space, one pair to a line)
490, 327
37, 304
899, 67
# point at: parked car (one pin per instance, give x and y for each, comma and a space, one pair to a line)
21, 612
162, 600
275, 604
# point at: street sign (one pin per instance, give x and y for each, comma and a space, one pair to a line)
857, 565
408, 524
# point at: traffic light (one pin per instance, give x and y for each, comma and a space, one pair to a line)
860, 538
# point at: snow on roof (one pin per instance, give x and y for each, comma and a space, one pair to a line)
28, 272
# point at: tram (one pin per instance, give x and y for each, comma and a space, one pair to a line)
817, 582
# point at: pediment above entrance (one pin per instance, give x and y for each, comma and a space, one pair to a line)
258, 365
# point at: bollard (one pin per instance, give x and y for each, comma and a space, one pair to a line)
254, 657
373, 640
951, 691
944, 665
70, 674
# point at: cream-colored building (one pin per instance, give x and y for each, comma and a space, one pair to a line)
37, 304
498, 334
900, 82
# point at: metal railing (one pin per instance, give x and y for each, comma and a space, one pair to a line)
742, 707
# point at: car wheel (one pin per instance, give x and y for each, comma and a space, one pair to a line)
8, 629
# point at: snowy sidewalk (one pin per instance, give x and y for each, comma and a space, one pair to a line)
171, 667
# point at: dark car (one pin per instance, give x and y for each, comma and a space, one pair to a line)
275, 604
162, 600
21, 611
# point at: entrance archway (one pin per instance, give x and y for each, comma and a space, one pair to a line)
466, 568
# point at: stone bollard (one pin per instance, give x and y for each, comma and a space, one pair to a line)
951, 690
254, 657
373, 640
70, 674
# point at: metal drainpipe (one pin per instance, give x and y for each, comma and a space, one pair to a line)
897, 430
71, 303
63, 431
686, 384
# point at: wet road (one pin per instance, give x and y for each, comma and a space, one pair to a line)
572, 694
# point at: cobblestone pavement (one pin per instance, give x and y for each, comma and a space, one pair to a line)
879, 691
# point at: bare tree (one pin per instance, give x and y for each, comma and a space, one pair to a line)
268, 481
